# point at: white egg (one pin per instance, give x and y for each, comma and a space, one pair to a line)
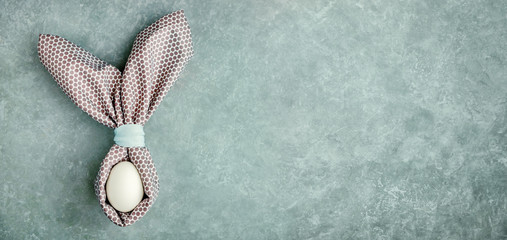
124, 189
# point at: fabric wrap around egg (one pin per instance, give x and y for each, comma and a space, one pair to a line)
123, 101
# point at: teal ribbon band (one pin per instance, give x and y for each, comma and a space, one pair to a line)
129, 135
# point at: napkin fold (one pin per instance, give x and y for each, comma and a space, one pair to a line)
159, 54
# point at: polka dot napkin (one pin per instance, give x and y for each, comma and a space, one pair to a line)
159, 54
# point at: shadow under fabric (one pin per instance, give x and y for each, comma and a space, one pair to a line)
123, 101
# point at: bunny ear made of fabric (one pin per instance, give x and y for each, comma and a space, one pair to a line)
159, 54
88, 81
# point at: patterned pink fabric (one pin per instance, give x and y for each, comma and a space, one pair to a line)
159, 54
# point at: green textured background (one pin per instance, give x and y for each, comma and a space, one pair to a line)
294, 120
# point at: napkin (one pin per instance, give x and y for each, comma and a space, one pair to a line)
115, 99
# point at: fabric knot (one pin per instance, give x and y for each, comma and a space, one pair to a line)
129, 135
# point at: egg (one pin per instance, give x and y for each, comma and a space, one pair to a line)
124, 189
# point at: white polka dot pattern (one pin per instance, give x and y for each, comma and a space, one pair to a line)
159, 54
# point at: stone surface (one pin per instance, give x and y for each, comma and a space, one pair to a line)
294, 120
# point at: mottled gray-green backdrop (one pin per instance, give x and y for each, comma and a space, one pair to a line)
294, 120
